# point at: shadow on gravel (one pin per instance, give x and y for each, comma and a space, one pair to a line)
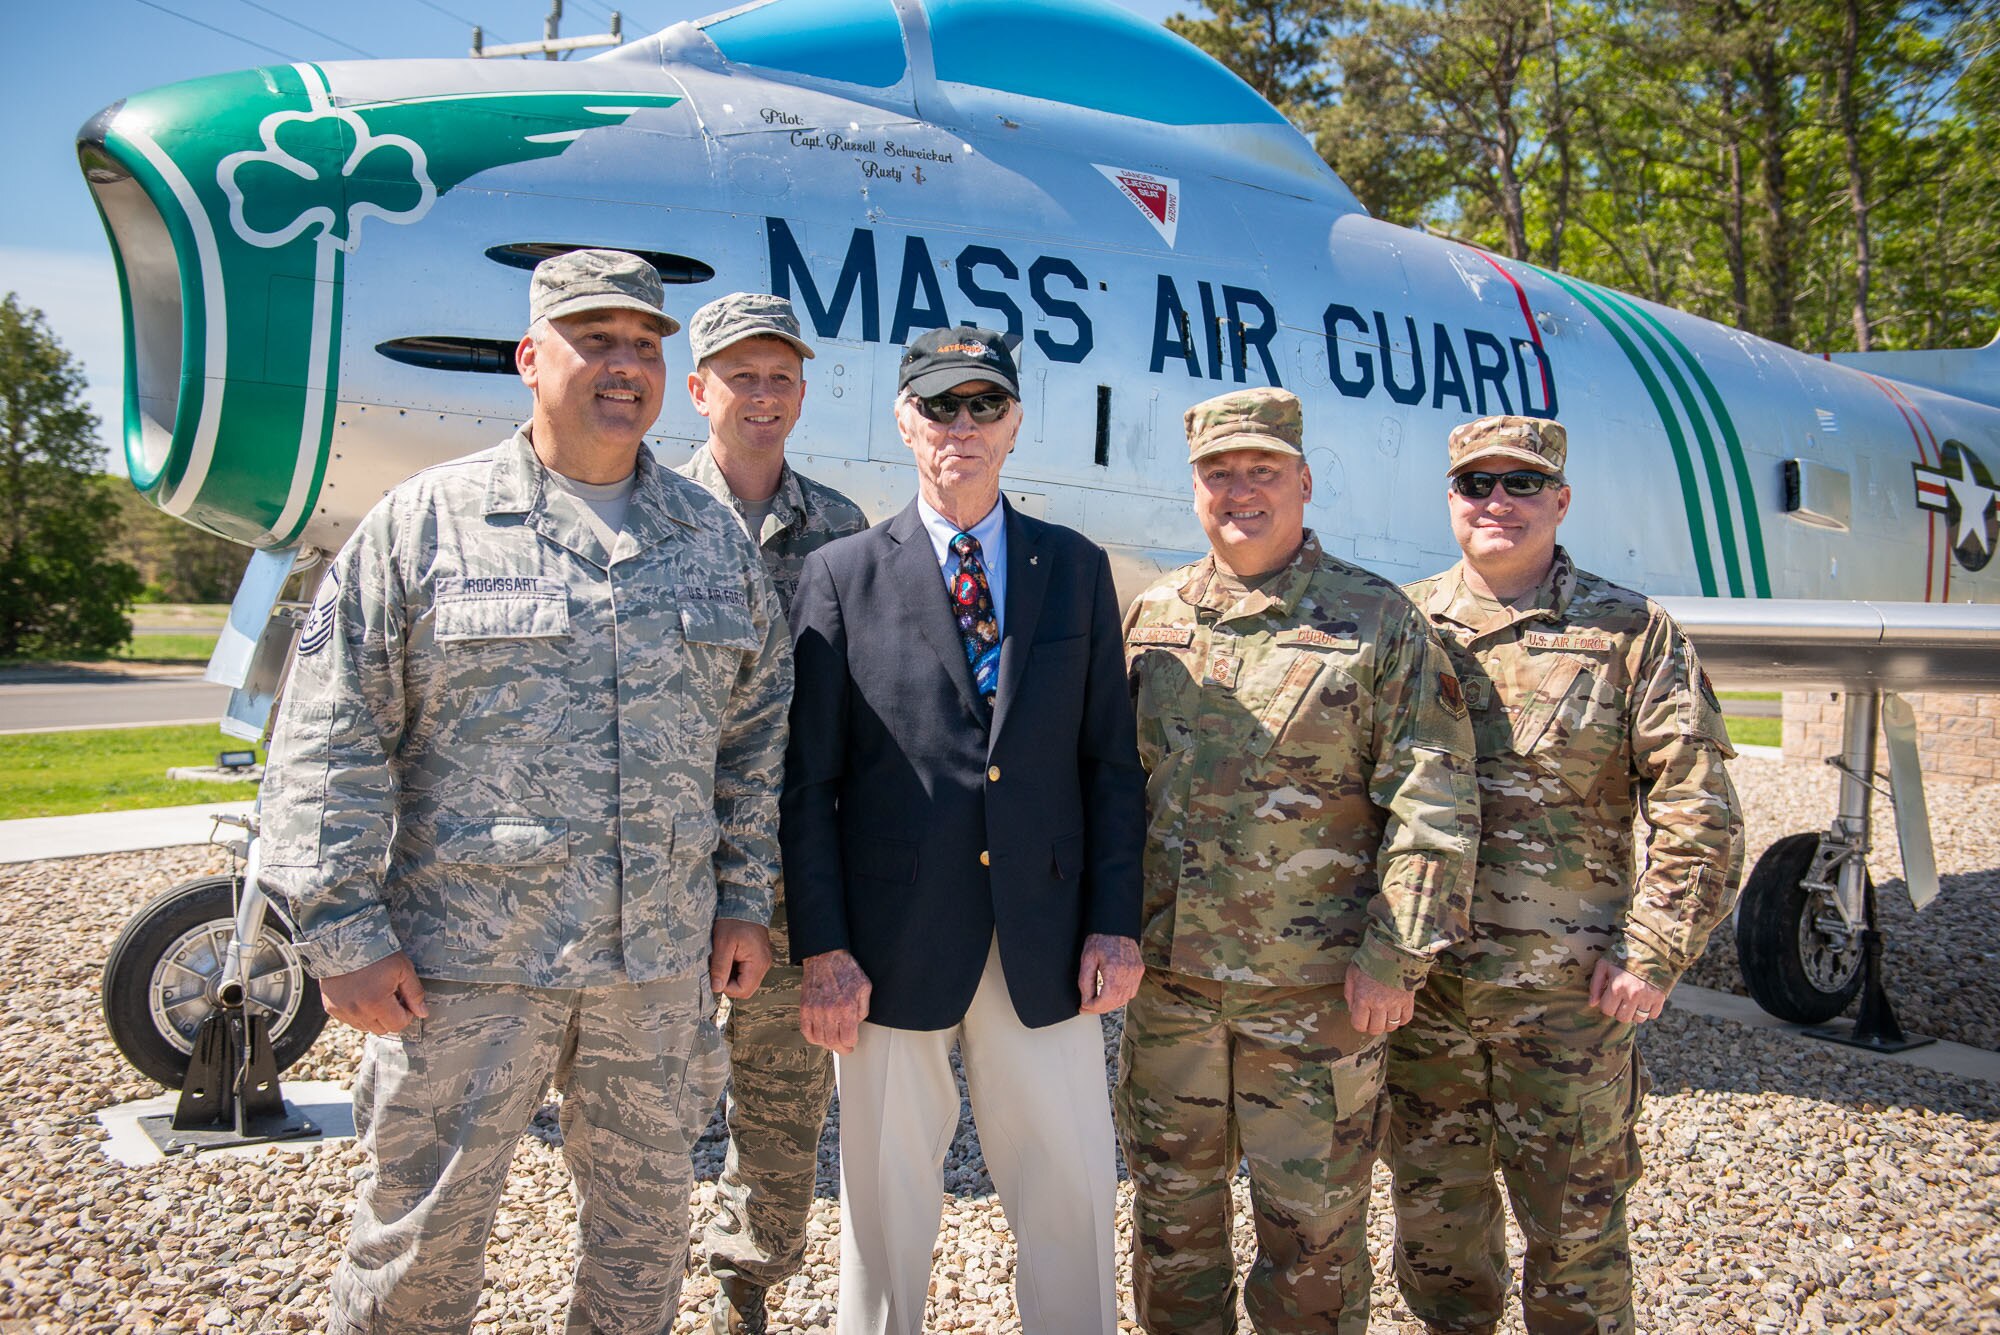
1941, 966
1686, 1053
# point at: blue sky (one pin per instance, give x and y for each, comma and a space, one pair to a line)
63, 62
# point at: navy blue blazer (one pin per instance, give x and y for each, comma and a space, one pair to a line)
911, 831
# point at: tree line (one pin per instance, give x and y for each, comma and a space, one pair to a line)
1820, 172
77, 547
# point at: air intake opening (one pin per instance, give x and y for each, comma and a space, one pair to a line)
158, 340
443, 352
671, 268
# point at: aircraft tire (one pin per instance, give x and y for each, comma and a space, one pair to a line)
1788, 965
151, 1004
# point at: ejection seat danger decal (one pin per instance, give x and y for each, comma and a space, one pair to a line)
1156, 197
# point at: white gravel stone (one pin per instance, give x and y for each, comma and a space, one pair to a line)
1788, 1187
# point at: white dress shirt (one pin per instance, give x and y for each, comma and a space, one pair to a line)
991, 533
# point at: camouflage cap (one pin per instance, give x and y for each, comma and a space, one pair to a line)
742, 315
1529, 440
596, 280
1246, 419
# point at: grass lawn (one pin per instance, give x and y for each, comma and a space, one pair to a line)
181, 616
1755, 731
148, 647
1750, 695
110, 769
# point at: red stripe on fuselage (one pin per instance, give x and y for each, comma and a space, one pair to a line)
1896, 401
1534, 334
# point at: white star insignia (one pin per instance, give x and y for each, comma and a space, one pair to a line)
1974, 501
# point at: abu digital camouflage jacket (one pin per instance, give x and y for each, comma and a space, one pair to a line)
523, 758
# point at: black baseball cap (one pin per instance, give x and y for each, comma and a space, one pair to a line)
944, 359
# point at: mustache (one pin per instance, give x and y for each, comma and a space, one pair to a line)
620, 383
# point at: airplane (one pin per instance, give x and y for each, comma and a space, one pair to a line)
323, 269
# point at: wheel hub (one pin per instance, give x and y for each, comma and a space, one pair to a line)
188, 978
1830, 958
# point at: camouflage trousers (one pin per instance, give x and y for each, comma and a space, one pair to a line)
779, 1088
440, 1107
1545, 1088
1212, 1073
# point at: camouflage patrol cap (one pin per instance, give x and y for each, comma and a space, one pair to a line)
1246, 419
741, 315
1529, 440
596, 280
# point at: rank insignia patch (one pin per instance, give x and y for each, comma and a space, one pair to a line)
1451, 694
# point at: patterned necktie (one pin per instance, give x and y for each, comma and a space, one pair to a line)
972, 605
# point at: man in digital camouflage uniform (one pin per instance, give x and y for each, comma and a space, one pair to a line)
749, 382
522, 802
1312, 824
1590, 710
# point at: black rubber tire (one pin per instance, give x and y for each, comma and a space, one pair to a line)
138, 951
1768, 942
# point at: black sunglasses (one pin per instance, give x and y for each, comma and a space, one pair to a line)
986, 408
1522, 482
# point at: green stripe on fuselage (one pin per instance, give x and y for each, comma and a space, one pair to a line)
1746, 494
1683, 464
1718, 487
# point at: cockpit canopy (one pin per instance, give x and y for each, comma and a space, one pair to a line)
1081, 53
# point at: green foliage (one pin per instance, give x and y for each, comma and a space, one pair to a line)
178, 562
1822, 172
110, 769
60, 595
1275, 46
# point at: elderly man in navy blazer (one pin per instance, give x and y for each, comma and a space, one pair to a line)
963, 813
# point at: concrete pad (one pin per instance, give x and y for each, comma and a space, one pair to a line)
1949, 1058
330, 1106
111, 831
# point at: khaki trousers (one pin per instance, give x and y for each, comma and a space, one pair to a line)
1044, 1119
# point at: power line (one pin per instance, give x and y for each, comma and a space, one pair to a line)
323, 36
635, 22
456, 18
222, 32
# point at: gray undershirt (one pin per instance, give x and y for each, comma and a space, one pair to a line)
606, 502
755, 513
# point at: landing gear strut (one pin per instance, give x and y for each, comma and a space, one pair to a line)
204, 990
1806, 934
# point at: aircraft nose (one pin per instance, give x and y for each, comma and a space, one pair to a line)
230, 203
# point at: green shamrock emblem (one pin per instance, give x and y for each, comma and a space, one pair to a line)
323, 169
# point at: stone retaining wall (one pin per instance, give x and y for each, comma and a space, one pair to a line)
1958, 736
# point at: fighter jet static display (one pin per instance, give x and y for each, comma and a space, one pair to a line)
324, 269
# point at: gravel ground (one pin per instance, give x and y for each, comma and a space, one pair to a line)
1789, 1187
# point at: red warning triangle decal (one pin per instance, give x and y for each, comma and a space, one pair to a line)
1158, 198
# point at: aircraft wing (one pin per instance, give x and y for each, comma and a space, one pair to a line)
1824, 644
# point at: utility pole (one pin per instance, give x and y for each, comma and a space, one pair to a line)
552, 45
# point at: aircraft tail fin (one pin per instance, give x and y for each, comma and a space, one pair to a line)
1969, 373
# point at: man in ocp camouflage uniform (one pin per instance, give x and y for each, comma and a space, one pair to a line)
1590, 710
749, 382
522, 802
1312, 824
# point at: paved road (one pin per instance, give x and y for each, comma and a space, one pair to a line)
111, 702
